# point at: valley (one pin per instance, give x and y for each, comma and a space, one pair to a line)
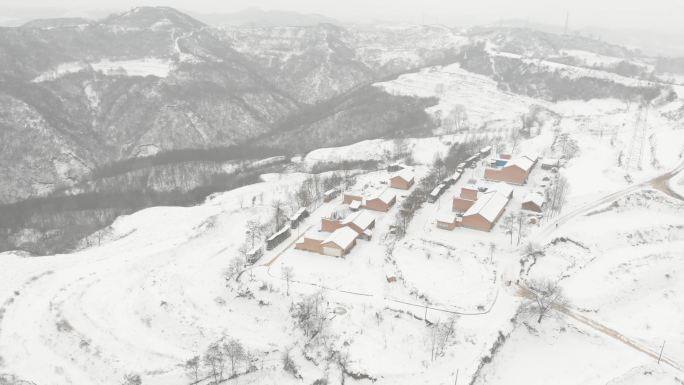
155, 171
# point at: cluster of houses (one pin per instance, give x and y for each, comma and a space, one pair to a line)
480, 207
338, 234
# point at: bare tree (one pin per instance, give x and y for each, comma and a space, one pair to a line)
289, 365
287, 274
192, 368
310, 314
214, 361
279, 216
568, 146
509, 222
254, 232
492, 249
521, 223
559, 193
235, 353
456, 119
235, 266
132, 379
439, 167
440, 333
544, 295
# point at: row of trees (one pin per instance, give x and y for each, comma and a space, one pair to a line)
225, 356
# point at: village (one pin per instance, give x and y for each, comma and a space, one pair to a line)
489, 191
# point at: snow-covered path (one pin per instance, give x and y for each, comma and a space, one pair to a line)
660, 183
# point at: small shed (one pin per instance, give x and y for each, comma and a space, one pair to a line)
436, 193
298, 217
254, 254
447, 220
330, 195
394, 167
277, 238
550, 163
534, 202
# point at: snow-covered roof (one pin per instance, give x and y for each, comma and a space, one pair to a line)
438, 190
385, 196
355, 204
522, 162
316, 234
531, 155
255, 250
342, 237
502, 188
550, 161
456, 176
446, 216
330, 192
486, 149
488, 206
298, 214
363, 219
536, 198
404, 174
281, 231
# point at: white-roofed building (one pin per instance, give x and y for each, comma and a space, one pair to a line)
340, 242
534, 201
383, 201
403, 179
485, 212
447, 220
513, 171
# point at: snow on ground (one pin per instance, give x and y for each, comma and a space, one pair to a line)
144, 302
561, 352
575, 72
677, 184
138, 67
453, 86
423, 150
608, 149
591, 58
621, 266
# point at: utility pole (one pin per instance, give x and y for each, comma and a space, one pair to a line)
456, 380
661, 352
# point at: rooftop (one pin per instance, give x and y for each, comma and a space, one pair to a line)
446, 216
342, 237
363, 219
535, 198
404, 174
385, 196
488, 206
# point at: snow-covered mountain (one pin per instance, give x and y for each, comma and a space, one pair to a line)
148, 157
95, 95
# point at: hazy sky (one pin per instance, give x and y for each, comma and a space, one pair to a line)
634, 14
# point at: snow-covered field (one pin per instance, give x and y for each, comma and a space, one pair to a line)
152, 292
479, 95
140, 67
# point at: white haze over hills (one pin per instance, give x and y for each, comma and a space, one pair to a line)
188, 293
652, 26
